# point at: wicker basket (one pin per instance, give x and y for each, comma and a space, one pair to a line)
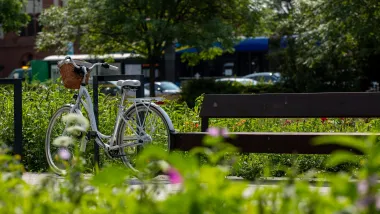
70, 78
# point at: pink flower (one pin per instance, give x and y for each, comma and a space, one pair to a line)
174, 176
213, 131
363, 187
64, 154
216, 132
377, 203
224, 132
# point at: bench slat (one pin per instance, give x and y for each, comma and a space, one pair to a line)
266, 142
290, 105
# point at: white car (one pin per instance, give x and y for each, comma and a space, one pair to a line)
244, 81
162, 88
264, 77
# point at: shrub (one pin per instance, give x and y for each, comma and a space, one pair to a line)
194, 88
194, 188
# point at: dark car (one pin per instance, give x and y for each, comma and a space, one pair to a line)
21, 73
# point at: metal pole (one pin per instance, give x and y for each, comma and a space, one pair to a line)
96, 112
17, 147
140, 91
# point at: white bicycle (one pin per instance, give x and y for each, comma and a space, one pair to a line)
136, 125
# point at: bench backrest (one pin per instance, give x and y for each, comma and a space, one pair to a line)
286, 105
301, 105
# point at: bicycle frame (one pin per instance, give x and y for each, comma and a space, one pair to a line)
88, 105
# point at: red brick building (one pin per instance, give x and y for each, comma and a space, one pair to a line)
16, 51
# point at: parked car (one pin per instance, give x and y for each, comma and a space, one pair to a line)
244, 81
111, 88
21, 73
264, 77
163, 88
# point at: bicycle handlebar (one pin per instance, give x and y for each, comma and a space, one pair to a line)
84, 68
104, 65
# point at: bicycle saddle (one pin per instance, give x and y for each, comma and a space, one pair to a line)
130, 83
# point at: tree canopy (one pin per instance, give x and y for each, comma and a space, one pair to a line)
331, 44
146, 27
11, 16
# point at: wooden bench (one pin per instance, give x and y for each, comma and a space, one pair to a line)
282, 105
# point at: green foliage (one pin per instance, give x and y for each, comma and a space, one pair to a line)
194, 88
144, 27
195, 188
336, 44
12, 17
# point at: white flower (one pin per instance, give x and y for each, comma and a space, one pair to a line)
63, 141
77, 119
76, 130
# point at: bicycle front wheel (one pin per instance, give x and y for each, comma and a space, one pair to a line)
144, 124
58, 157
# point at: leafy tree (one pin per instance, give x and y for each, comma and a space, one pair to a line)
336, 47
146, 27
11, 16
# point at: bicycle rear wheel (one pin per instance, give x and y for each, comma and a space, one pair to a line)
156, 130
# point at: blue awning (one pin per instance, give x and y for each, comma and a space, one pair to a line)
250, 44
253, 44
187, 50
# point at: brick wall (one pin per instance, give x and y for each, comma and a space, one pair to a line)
16, 50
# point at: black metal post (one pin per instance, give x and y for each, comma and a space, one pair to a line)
17, 107
96, 112
17, 147
204, 124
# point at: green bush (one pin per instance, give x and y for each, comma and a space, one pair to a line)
195, 188
194, 88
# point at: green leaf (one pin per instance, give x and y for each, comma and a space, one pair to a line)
348, 141
340, 157
110, 176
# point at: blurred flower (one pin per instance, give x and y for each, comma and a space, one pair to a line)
323, 119
76, 130
372, 180
362, 187
364, 202
287, 122
216, 132
213, 131
174, 176
64, 154
377, 203
76, 119
63, 141
224, 132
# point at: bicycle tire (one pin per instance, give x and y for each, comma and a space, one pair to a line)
154, 110
55, 119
